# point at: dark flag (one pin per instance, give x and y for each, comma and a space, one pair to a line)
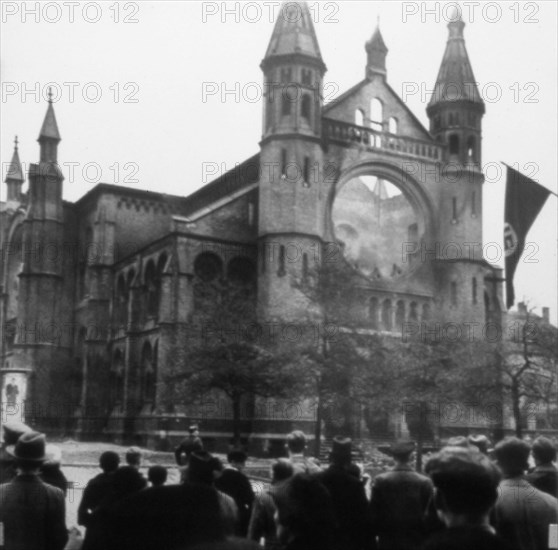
524, 200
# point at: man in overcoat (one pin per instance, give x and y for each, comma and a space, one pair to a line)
32, 512
399, 501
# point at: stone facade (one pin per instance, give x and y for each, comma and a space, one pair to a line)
99, 297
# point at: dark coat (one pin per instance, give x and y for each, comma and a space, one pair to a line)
53, 475
97, 489
397, 508
466, 538
545, 478
33, 514
7, 467
522, 514
350, 507
238, 487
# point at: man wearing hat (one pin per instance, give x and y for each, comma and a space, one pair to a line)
399, 500
188, 445
522, 513
466, 485
12, 430
481, 442
544, 476
31, 511
348, 497
233, 482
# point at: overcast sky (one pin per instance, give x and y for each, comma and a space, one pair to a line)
136, 114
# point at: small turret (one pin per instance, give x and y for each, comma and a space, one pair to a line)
376, 51
49, 137
456, 107
14, 178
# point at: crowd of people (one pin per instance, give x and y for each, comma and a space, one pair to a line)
470, 497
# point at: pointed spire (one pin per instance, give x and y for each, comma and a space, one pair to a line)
15, 172
456, 80
50, 127
294, 34
49, 136
376, 50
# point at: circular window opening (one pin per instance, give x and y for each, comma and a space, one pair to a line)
208, 267
377, 227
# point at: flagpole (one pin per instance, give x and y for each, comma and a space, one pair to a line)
546, 188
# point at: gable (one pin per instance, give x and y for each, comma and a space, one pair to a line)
360, 96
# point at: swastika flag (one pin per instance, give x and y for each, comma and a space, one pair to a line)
524, 200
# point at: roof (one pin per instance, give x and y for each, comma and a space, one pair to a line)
377, 42
241, 176
456, 80
294, 33
15, 172
50, 128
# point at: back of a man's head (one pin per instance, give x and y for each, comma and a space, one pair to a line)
296, 442
109, 461
544, 451
157, 475
133, 456
466, 482
281, 470
512, 455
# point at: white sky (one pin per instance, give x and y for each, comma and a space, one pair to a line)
171, 135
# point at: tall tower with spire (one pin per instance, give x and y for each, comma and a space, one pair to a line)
455, 112
290, 159
41, 336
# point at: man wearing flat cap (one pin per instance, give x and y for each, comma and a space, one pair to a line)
31, 511
11, 432
348, 497
466, 488
399, 501
522, 513
544, 476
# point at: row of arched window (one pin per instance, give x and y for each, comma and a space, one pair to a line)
376, 117
454, 119
141, 380
391, 315
151, 290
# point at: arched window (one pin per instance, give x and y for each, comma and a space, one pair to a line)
304, 266
281, 269
454, 144
471, 149
376, 114
399, 315
386, 315
147, 375
413, 313
373, 311
359, 117
426, 312
392, 125
306, 107
117, 378
121, 310
285, 105
474, 290
208, 267
453, 293
151, 285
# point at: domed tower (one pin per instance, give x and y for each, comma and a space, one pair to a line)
376, 52
14, 177
290, 227
455, 112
